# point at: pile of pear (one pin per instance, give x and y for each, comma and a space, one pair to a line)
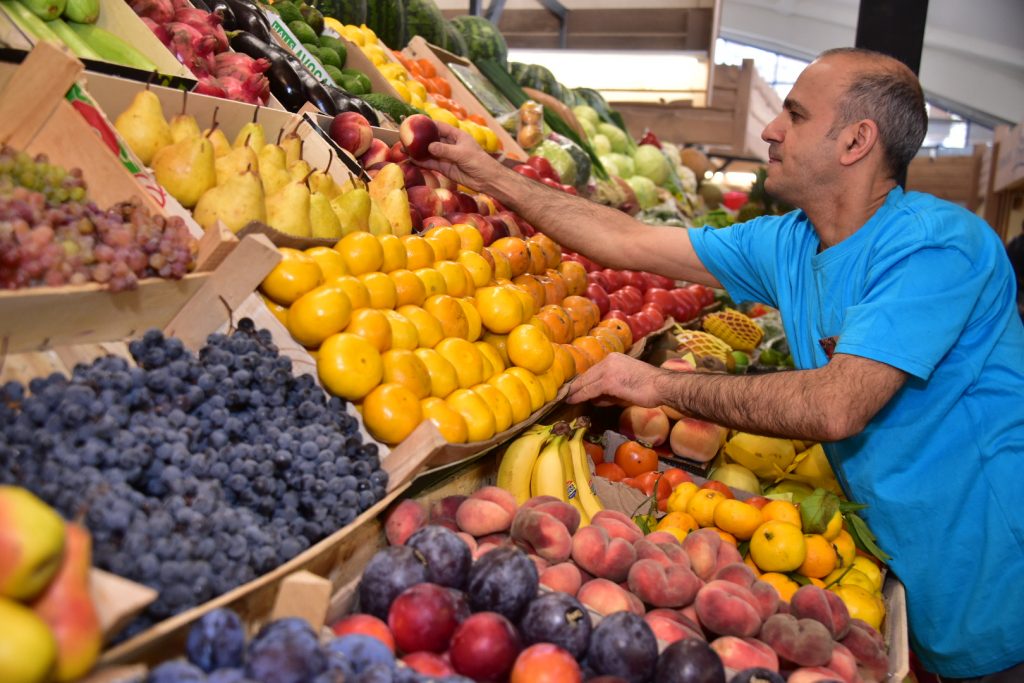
249, 179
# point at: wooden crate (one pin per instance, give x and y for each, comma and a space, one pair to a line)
953, 178
741, 105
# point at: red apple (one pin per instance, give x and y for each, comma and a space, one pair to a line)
416, 133
687, 305
616, 279
484, 647
425, 200
485, 205
655, 313
434, 221
430, 179
663, 299
598, 278
397, 153
376, 154
499, 229
655, 280
474, 219
527, 170
635, 279
443, 180
596, 293
351, 131
634, 295
449, 202
466, 202
413, 174
415, 218
544, 168
422, 617
511, 220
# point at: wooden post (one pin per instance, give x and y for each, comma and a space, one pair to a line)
304, 595
34, 91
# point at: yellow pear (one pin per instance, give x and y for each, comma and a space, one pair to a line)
32, 540
353, 210
288, 209
292, 146
396, 209
143, 126
234, 162
388, 178
322, 219
184, 126
251, 134
321, 181
379, 224
273, 173
221, 145
236, 203
186, 169
300, 170
29, 653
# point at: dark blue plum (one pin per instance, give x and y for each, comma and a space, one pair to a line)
216, 641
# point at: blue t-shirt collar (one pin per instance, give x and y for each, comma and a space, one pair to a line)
863, 235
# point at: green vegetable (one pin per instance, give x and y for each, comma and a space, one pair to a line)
313, 17
29, 22
387, 19
336, 76
336, 45
303, 32
394, 108
651, 163
82, 11
483, 40
362, 81
73, 40
423, 18
560, 159
645, 190
47, 10
111, 48
288, 12
327, 56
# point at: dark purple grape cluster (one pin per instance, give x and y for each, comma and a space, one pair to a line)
51, 235
194, 474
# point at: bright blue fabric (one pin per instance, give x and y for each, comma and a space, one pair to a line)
926, 287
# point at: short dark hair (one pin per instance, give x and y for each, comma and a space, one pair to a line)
887, 92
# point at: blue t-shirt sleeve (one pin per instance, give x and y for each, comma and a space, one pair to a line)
914, 311
741, 257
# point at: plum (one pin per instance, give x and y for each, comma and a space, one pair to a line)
286, 655
387, 574
689, 661
557, 618
503, 581
623, 645
362, 651
216, 641
423, 618
448, 556
757, 674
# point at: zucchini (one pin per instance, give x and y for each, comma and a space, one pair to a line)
73, 40
111, 48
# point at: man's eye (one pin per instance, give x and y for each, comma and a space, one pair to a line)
794, 116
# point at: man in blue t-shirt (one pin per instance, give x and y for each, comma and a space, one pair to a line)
900, 312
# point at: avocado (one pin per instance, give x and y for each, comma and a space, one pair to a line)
336, 75
327, 56
313, 17
303, 32
362, 82
288, 12
336, 45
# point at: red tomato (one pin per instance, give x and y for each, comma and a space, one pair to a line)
676, 476
610, 471
649, 480
635, 459
595, 451
718, 486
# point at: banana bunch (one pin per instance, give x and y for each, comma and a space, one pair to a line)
549, 460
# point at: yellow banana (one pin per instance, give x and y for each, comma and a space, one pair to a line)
581, 471
516, 468
548, 475
572, 484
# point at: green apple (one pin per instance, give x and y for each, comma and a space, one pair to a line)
31, 543
28, 650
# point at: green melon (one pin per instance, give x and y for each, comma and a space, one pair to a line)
454, 42
483, 39
346, 11
387, 19
424, 19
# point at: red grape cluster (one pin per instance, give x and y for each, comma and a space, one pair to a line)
51, 235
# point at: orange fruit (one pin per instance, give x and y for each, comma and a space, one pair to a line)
532, 384
565, 361
778, 546
391, 412
457, 281
475, 411
361, 252
371, 325
738, 518
861, 604
448, 238
635, 459
515, 250
538, 264
449, 313
820, 559
499, 307
529, 348
450, 423
845, 549
474, 325
552, 252
279, 311
679, 520
382, 290
532, 286
443, 378
409, 288
294, 275
469, 237
465, 358
583, 360
783, 511
584, 313
726, 536
554, 286
591, 346
498, 403
526, 300
680, 497
620, 328
702, 506
318, 314
418, 252
575, 276
834, 526
516, 393
542, 326
404, 367
349, 366
782, 584
479, 269
747, 560
433, 282
403, 332
551, 381
492, 357
500, 344
394, 253
559, 323
611, 342
330, 262
358, 294
499, 262
428, 329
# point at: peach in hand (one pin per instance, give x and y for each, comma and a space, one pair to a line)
417, 132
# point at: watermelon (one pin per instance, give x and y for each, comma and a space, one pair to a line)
345, 11
423, 18
483, 39
387, 19
540, 78
516, 70
454, 42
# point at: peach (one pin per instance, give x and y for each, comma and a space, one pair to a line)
745, 653
564, 577
416, 133
737, 573
494, 539
811, 602
868, 647
539, 562
670, 630
605, 597
661, 585
742, 575
546, 534
617, 525
411, 173
708, 552
804, 642
352, 132
445, 508
425, 200
689, 613
661, 537
562, 511
449, 202
403, 520
443, 181
678, 364
468, 539
487, 511
727, 609
663, 553
377, 153
601, 555
696, 439
434, 222
844, 663
647, 424
813, 674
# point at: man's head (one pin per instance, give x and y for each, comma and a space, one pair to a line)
850, 110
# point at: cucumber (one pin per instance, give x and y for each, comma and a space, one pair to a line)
29, 22
47, 10
82, 11
111, 48
73, 40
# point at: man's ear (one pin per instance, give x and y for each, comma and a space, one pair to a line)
858, 140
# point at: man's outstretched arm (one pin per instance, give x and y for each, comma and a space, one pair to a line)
824, 404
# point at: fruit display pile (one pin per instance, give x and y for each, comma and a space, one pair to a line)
51, 626
51, 234
194, 474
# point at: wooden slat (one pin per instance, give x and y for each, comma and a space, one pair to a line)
953, 178
34, 91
